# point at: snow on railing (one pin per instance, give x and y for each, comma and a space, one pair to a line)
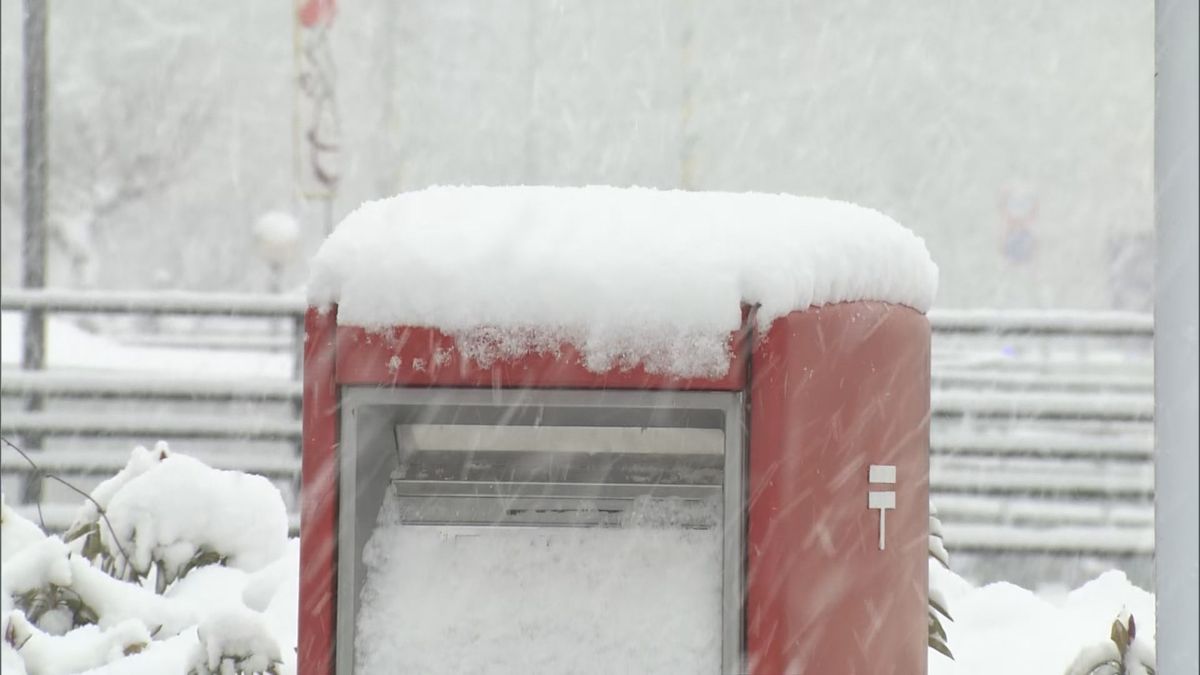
92, 384
944, 402
988, 321
1068, 540
1033, 512
1042, 476
1042, 444
152, 302
1042, 322
140, 425
1072, 475
1043, 405
998, 377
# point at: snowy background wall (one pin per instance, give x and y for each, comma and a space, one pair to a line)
1015, 137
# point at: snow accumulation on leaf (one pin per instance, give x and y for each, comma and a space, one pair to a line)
628, 276
181, 509
78, 650
140, 461
16, 533
38, 564
204, 539
236, 640
113, 601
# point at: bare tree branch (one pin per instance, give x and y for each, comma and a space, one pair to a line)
39, 471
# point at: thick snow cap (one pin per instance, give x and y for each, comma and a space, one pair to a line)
628, 276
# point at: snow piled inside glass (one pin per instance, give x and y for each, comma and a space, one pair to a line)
628, 276
645, 598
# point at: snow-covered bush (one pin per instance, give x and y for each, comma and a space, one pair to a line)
1122, 654
132, 588
235, 641
182, 514
165, 514
76, 651
86, 527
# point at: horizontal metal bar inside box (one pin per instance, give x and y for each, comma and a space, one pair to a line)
559, 439
555, 504
554, 475
502, 490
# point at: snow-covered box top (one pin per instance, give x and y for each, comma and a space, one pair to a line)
627, 275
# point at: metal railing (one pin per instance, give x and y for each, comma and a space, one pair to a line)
947, 321
152, 303
1005, 427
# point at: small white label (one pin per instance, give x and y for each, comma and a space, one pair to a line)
879, 499
882, 473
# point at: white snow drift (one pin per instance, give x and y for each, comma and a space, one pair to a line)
628, 275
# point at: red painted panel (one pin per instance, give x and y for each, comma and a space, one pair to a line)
318, 497
426, 357
834, 390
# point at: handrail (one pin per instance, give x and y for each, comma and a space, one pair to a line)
944, 402
90, 384
152, 302
1042, 405
984, 392
1042, 322
135, 425
953, 321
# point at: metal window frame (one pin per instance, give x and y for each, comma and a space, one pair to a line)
353, 528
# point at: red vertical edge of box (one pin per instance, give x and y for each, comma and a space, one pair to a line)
834, 390
318, 495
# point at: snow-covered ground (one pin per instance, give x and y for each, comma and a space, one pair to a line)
70, 347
